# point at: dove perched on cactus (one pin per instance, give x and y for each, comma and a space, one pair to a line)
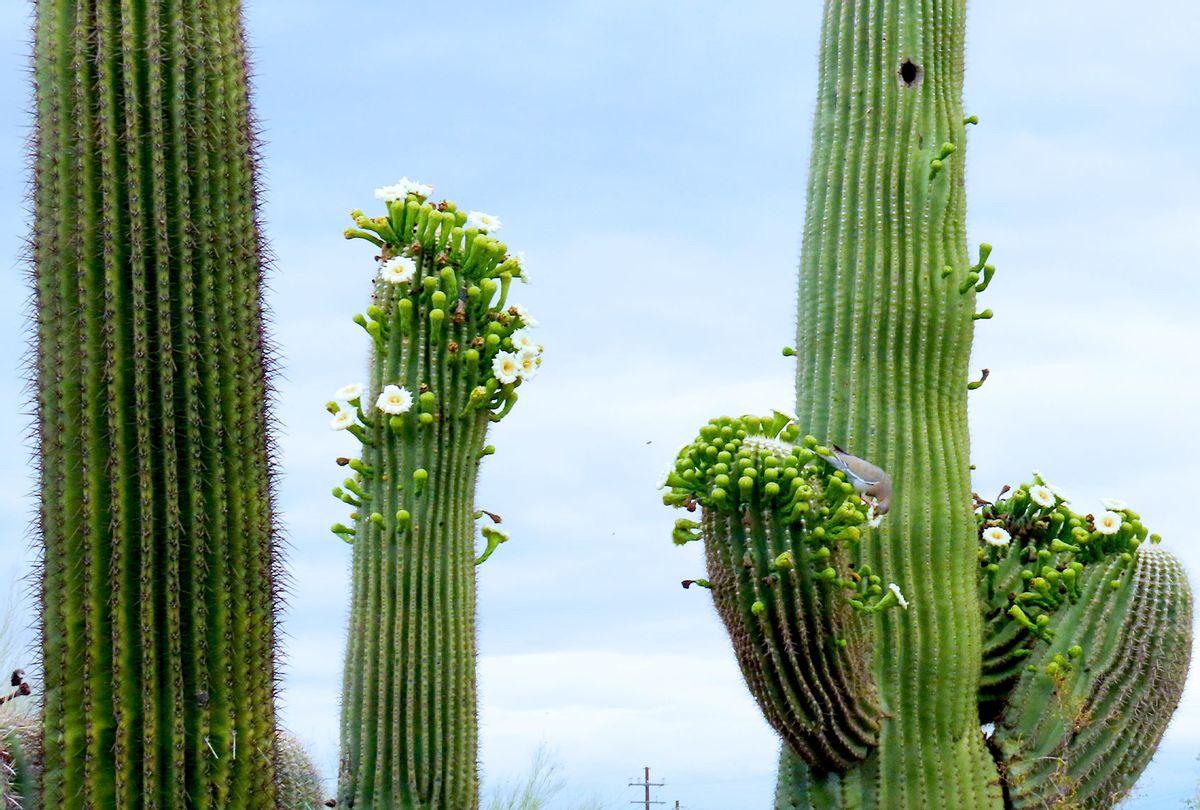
866, 478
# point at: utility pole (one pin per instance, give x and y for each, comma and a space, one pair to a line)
647, 784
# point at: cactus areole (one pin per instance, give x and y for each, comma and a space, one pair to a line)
449, 350
1069, 631
158, 563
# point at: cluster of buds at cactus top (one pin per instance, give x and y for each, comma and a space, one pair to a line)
442, 293
753, 465
1034, 548
1035, 553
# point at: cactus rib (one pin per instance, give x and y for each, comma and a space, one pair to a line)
158, 582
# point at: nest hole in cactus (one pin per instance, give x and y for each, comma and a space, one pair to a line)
910, 73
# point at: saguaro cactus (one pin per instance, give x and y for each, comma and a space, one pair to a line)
449, 352
887, 307
157, 585
298, 784
20, 763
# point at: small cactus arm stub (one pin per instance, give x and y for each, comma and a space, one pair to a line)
297, 781
159, 563
449, 352
1006, 603
20, 748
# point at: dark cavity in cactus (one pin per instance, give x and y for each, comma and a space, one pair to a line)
449, 352
159, 560
1076, 625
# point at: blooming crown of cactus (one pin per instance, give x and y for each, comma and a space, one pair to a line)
443, 280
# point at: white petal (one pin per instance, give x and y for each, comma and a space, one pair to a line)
394, 400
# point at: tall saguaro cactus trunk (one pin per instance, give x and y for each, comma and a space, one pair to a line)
883, 346
158, 564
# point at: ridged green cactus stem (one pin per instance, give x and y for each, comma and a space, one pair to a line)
449, 352
158, 594
883, 341
1083, 722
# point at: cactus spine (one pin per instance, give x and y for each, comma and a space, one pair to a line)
297, 782
158, 562
20, 764
887, 306
449, 351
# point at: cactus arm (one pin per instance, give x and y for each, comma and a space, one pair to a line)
1082, 737
818, 696
777, 520
158, 620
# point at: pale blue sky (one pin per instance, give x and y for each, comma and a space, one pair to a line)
621, 142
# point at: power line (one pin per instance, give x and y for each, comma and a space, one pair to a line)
647, 784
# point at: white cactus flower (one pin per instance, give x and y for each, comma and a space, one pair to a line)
506, 367
1108, 522
995, 536
1114, 504
527, 360
413, 187
524, 315
394, 400
398, 270
1042, 496
894, 588
768, 447
341, 420
348, 392
483, 222
524, 272
1058, 492
521, 340
399, 191
390, 193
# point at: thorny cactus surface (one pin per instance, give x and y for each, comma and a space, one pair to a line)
158, 566
1071, 631
20, 764
449, 353
20, 748
297, 781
